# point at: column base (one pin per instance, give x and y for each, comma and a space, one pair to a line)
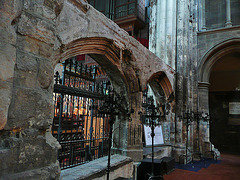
178, 150
228, 24
204, 28
210, 151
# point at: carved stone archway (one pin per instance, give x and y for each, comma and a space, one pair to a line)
204, 70
215, 53
164, 94
128, 64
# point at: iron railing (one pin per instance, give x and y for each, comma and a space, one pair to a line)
81, 131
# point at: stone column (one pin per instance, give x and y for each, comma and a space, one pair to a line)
203, 89
203, 103
127, 135
153, 26
203, 17
228, 14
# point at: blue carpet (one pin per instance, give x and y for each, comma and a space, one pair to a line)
197, 165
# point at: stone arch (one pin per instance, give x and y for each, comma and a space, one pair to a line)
87, 26
115, 63
163, 91
161, 79
130, 64
211, 57
204, 71
106, 54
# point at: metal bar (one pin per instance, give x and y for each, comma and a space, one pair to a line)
103, 132
109, 150
80, 128
152, 134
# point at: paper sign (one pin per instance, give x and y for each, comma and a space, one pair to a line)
234, 107
158, 138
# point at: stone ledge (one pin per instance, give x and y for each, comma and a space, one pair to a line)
121, 166
222, 29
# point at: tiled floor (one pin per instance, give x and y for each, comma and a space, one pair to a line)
228, 169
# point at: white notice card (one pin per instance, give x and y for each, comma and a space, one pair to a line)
158, 138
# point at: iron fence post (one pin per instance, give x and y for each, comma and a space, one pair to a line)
109, 146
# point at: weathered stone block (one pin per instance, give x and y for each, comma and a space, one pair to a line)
28, 151
7, 34
34, 27
9, 9
45, 73
26, 70
27, 79
8, 60
50, 172
7, 63
37, 7
31, 70
49, 9
73, 18
34, 46
5, 98
26, 62
30, 108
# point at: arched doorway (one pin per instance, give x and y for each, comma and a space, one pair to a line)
218, 95
224, 102
123, 79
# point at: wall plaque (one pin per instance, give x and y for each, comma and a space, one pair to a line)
158, 138
234, 107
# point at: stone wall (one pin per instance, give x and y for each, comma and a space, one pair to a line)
209, 39
35, 36
27, 148
179, 30
162, 36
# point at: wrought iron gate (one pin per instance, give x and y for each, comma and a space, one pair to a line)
81, 131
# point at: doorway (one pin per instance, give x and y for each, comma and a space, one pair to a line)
224, 103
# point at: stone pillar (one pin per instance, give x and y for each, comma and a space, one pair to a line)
163, 30
182, 59
203, 16
153, 26
203, 89
203, 103
228, 14
127, 136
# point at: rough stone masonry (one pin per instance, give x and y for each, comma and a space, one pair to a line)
35, 36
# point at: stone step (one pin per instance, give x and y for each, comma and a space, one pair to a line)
121, 167
159, 152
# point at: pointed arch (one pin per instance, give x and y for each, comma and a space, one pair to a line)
215, 53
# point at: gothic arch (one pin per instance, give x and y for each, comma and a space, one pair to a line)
128, 64
82, 29
162, 80
204, 71
212, 56
107, 55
